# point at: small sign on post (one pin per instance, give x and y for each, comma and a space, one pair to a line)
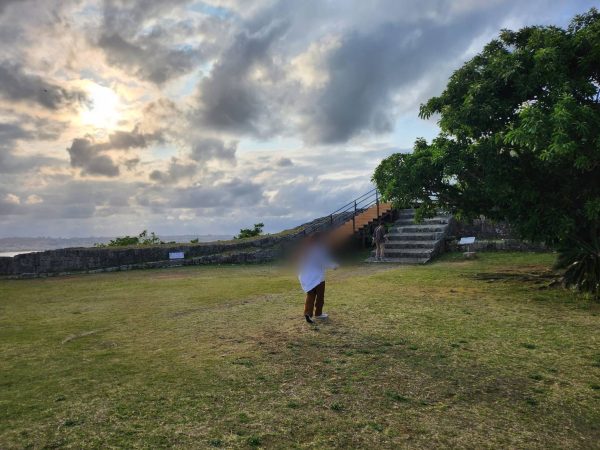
176, 255
468, 241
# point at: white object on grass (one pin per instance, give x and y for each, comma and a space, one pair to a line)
468, 241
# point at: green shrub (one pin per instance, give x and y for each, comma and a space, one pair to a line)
141, 239
251, 232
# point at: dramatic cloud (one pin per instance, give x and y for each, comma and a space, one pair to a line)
151, 62
124, 140
221, 195
367, 70
87, 156
232, 97
91, 156
5, 3
284, 162
17, 85
207, 149
176, 171
28, 129
203, 150
132, 40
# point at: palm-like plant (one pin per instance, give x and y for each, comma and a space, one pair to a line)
581, 261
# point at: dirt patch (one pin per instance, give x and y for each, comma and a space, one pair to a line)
543, 277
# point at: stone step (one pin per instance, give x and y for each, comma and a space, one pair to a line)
431, 221
405, 261
419, 229
408, 253
410, 214
410, 244
394, 236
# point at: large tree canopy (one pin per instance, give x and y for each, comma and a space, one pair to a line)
520, 136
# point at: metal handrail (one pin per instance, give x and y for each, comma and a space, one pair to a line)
343, 214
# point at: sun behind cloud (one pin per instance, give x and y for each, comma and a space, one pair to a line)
104, 108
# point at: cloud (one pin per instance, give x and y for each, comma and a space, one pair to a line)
176, 171
284, 162
91, 156
28, 129
18, 85
68, 199
148, 60
87, 156
132, 40
221, 197
5, 3
203, 150
227, 194
8, 204
235, 96
124, 140
34, 199
368, 71
206, 149
10, 132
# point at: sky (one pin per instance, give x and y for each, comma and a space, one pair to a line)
204, 117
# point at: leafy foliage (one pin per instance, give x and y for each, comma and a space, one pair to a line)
144, 238
581, 261
251, 232
520, 136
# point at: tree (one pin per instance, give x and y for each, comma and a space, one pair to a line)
141, 239
250, 232
519, 141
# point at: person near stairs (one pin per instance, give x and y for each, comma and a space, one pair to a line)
379, 238
314, 260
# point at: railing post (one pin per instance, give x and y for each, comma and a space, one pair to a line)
331, 219
377, 201
354, 219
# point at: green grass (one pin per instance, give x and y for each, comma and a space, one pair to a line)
219, 357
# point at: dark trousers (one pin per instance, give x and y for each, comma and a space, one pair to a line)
315, 299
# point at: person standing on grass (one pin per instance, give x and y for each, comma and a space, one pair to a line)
314, 260
379, 241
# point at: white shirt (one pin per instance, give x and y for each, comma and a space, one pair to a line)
313, 266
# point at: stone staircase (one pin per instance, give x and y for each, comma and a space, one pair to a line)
415, 243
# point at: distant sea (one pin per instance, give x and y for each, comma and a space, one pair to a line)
11, 246
11, 254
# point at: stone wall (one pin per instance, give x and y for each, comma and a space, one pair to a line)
489, 236
70, 260
483, 229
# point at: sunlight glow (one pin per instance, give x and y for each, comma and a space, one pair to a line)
104, 108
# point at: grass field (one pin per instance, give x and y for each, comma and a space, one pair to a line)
201, 357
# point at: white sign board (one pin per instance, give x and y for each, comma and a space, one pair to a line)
176, 255
466, 240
